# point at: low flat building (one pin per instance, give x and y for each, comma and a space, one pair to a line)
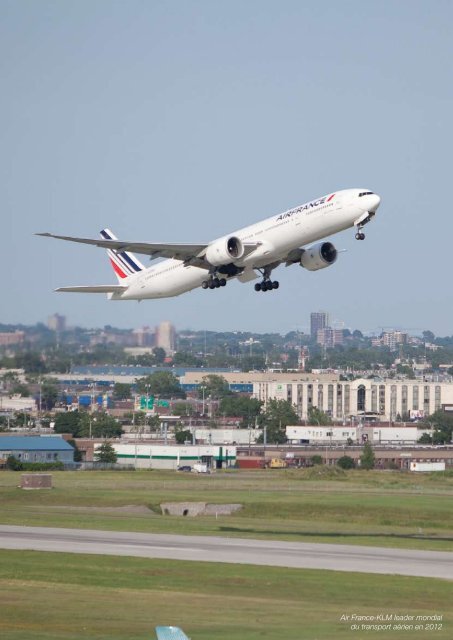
354, 434
151, 456
36, 449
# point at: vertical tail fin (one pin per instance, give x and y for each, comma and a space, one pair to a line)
124, 263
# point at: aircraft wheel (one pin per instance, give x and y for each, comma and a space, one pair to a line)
222, 282
275, 284
211, 284
362, 236
258, 286
216, 283
204, 284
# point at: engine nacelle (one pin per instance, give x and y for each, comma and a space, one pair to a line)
224, 251
319, 256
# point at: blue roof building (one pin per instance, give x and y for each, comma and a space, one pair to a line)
36, 449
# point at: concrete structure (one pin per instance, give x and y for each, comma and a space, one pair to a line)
152, 456
36, 449
36, 481
384, 399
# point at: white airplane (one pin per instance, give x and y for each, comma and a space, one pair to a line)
257, 249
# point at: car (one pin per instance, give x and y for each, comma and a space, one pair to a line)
185, 467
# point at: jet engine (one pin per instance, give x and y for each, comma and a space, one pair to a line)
319, 256
224, 251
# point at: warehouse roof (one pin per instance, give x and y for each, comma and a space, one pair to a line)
33, 443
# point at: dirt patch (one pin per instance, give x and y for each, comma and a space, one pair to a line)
128, 509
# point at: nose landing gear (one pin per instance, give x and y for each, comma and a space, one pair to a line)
359, 235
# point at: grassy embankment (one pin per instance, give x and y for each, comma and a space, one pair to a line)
48, 596
357, 507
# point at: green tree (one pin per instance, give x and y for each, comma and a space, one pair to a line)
346, 462
162, 384
183, 435
442, 423
77, 452
121, 391
68, 422
215, 386
316, 459
21, 389
99, 425
248, 409
367, 459
182, 409
106, 453
316, 416
278, 415
159, 355
49, 393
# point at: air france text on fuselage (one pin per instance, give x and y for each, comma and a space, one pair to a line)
305, 207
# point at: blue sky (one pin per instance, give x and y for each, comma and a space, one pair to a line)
179, 121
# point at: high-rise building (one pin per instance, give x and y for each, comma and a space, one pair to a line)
329, 338
56, 322
318, 320
166, 337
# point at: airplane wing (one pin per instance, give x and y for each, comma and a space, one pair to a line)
152, 249
170, 633
100, 288
189, 253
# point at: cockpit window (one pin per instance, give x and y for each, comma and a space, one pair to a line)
365, 193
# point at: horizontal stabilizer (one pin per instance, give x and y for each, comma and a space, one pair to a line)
100, 288
170, 633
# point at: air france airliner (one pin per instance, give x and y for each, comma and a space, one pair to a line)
249, 253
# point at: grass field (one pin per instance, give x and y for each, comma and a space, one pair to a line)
373, 508
48, 596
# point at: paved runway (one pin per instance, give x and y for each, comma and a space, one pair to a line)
302, 555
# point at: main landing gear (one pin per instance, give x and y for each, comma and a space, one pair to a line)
213, 283
267, 285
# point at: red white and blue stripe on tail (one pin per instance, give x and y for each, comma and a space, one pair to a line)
124, 263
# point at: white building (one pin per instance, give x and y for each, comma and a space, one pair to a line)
385, 399
153, 456
376, 434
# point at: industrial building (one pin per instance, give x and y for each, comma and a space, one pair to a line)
151, 456
36, 449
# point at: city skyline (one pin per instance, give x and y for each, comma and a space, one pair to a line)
180, 122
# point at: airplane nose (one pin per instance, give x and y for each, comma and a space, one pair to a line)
374, 202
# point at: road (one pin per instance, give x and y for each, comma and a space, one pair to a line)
301, 555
